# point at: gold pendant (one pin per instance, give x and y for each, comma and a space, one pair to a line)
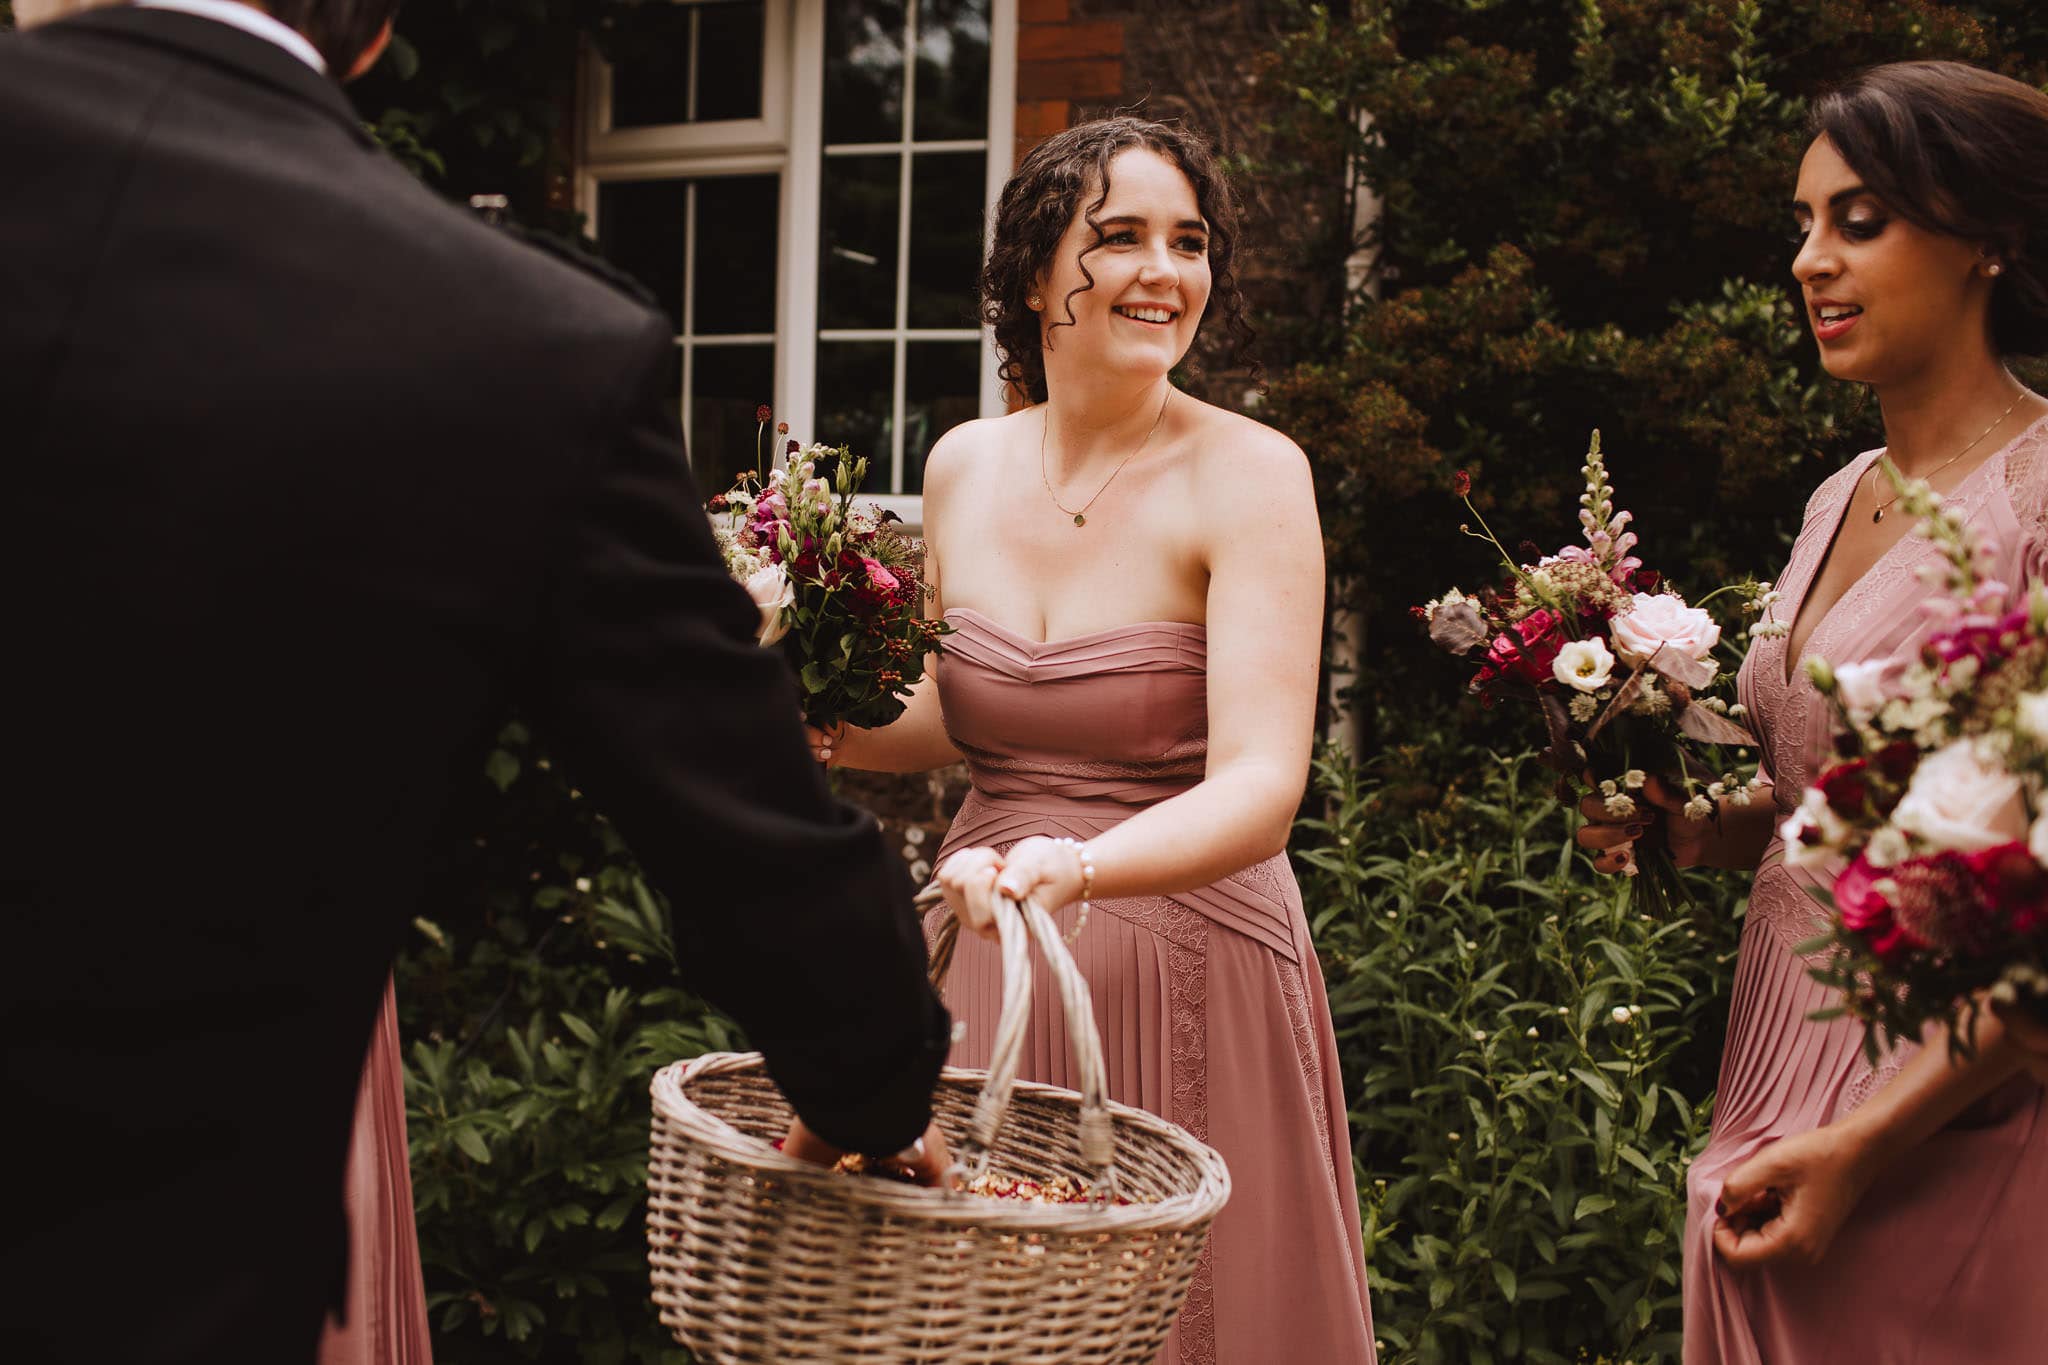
1877, 516
1080, 520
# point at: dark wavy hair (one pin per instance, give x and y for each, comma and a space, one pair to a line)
338, 29
1050, 187
1958, 150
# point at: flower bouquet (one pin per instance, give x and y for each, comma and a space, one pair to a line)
1620, 667
840, 589
1933, 809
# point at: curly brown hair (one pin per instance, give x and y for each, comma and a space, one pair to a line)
1963, 151
1041, 199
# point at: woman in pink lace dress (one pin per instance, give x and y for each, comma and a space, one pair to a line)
1842, 1212
1135, 580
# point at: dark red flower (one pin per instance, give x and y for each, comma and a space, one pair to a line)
1461, 483
1525, 650
2015, 885
761, 414
717, 503
794, 447
1846, 787
1646, 580
1898, 759
1941, 902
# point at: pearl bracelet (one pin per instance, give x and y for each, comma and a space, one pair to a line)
1087, 883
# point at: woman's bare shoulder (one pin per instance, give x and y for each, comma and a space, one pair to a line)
1241, 461
964, 446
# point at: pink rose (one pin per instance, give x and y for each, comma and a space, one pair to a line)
1864, 910
1661, 619
1960, 800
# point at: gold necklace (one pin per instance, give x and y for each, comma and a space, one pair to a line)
1080, 514
1878, 515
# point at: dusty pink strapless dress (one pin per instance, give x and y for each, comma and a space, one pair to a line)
1210, 1002
386, 1312
1944, 1261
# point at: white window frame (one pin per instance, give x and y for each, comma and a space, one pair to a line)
789, 140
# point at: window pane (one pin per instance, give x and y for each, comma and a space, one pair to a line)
952, 69
729, 42
864, 71
941, 390
651, 78
640, 230
945, 237
726, 384
737, 227
856, 393
858, 241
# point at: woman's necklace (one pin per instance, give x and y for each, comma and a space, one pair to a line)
1878, 515
1080, 514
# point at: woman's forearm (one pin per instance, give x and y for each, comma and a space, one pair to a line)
1738, 839
1230, 820
914, 742
1928, 1094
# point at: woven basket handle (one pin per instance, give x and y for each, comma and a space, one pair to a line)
1017, 923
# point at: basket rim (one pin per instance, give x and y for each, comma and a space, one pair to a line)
713, 1133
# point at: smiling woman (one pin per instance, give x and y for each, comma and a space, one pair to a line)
1135, 580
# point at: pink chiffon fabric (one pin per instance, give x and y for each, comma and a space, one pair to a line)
1210, 1002
385, 1320
1942, 1262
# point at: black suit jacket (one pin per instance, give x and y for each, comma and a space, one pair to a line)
303, 475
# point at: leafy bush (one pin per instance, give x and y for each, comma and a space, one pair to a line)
1527, 1061
539, 1007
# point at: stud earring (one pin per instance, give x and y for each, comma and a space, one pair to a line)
1035, 302
1994, 269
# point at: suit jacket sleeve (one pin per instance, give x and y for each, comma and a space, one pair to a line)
790, 912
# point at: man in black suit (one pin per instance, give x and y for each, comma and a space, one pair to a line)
305, 474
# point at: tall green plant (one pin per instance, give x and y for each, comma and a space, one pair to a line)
1526, 1062
1581, 223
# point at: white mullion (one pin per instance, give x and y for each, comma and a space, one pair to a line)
689, 304
890, 334
736, 339
975, 144
1002, 141
801, 213
906, 162
690, 56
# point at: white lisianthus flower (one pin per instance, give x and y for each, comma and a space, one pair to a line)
1960, 799
1887, 848
774, 594
1583, 664
2030, 713
1659, 619
1812, 833
1861, 688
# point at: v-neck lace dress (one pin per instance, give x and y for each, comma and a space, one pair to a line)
1944, 1261
1210, 1002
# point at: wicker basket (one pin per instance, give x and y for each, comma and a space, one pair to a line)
758, 1257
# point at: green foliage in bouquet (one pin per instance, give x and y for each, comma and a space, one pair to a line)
839, 587
1525, 1059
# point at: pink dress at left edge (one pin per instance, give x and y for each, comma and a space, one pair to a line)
1945, 1260
386, 1313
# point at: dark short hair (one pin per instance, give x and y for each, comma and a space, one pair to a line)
339, 29
1959, 150
1042, 198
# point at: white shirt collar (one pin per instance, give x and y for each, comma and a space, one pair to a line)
250, 20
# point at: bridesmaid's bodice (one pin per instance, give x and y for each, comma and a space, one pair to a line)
2005, 500
1118, 716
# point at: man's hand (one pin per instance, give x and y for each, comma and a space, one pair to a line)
925, 1161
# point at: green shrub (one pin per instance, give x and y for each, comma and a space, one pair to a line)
1527, 1061
537, 1009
